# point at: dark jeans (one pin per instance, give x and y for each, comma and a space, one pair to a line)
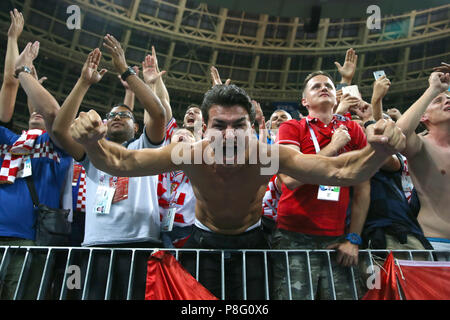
210, 263
77, 234
13, 268
177, 233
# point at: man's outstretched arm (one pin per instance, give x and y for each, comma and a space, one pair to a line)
349, 168
89, 131
156, 129
10, 85
408, 122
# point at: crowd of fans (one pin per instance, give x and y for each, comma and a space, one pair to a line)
351, 175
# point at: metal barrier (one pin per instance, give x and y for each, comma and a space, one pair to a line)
74, 273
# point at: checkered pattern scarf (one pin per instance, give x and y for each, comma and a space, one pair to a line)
14, 155
79, 173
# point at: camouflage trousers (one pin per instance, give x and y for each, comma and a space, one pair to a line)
314, 278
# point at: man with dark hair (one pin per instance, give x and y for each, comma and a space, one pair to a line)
227, 96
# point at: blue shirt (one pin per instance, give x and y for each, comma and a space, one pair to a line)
17, 215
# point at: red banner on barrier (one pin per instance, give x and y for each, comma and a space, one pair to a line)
418, 280
168, 280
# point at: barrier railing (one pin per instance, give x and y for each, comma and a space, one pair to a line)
74, 273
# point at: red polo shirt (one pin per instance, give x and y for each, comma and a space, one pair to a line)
299, 210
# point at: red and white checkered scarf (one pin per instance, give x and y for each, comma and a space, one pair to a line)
14, 155
80, 173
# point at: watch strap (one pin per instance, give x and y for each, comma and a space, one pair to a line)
354, 238
21, 69
130, 71
368, 123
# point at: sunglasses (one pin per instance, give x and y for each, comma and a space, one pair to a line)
121, 114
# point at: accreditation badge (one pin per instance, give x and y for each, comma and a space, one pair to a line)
26, 170
167, 221
121, 186
329, 193
103, 199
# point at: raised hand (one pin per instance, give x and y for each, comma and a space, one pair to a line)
347, 71
364, 111
88, 128
117, 53
16, 27
28, 55
439, 81
380, 88
124, 83
259, 115
444, 67
338, 95
347, 103
150, 69
215, 77
89, 73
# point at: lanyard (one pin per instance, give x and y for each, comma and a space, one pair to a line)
313, 137
171, 176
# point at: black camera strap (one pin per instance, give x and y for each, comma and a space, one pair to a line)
32, 189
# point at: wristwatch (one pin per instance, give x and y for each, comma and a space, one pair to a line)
368, 123
130, 71
21, 69
354, 238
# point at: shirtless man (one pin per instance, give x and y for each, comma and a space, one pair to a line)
229, 197
429, 157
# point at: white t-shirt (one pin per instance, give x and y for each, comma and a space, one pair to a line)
135, 219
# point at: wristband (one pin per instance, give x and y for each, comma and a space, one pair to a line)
130, 71
21, 69
354, 238
368, 123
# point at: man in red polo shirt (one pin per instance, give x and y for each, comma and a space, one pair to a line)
312, 216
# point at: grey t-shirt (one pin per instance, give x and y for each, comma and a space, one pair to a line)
135, 219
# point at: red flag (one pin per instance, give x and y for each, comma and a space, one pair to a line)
418, 280
425, 280
388, 280
168, 280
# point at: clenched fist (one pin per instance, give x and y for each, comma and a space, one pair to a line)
340, 137
386, 137
439, 81
88, 128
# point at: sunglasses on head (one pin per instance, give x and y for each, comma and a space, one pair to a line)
121, 114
